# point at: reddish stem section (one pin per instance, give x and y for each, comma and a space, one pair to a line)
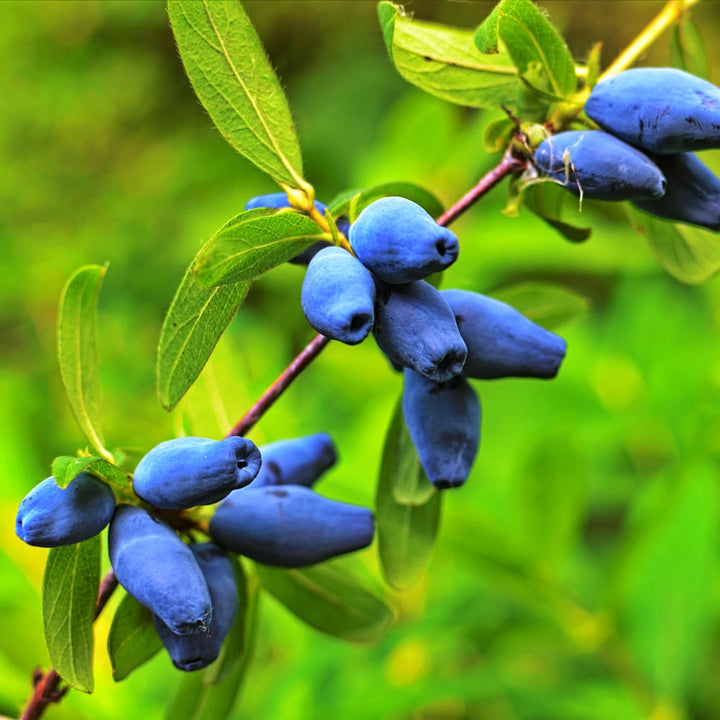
509, 164
46, 686
283, 381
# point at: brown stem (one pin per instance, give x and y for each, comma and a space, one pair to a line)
507, 165
46, 686
306, 356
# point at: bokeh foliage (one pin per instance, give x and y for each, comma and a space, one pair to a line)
576, 574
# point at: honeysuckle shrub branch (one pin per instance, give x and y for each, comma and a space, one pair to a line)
515, 60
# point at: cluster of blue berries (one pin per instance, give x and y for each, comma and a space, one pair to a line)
653, 120
191, 588
439, 339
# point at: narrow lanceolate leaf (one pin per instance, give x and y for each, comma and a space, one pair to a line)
546, 304
77, 351
687, 49
252, 243
195, 322
688, 253
537, 50
66, 468
408, 508
445, 62
233, 79
70, 588
329, 599
212, 693
132, 639
352, 202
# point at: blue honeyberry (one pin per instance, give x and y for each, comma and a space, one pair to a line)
338, 296
297, 461
415, 328
693, 192
399, 242
280, 200
159, 570
49, 515
600, 165
193, 652
189, 471
290, 526
661, 110
444, 424
501, 341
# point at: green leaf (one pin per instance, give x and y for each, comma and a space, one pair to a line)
132, 639
352, 202
254, 242
70, 587
194, 323
327, 598
498, 134
550, 202
544, 303
687, 48
445, 62
66, 468
688, 253
77, 351
537, 50
408, 508
233, 79
593, 65
211, 694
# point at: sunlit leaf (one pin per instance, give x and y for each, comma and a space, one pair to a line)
408, 508
327, 598
536, 48
193, 325
66, 468
231, 74
687, 48
77, 351
70, 587
445, 62
132, 639
254, 242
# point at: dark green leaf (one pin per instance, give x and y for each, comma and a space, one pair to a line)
327, 598
254, 242
77, 351
687, 49
408, 508
229, 71
544, 303
194, 323
445, 62
688, 253
66, 468
536, 48
352, 202
212, 693
70, 587
550, 202
132, 639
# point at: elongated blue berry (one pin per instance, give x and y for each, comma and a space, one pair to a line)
501, 341
189, 471
662, 110
693, 192
159, 570
298, 461
192, 652
400, 242
50, 516
338, 296
416, 328
444, 424
290, 526
600, 165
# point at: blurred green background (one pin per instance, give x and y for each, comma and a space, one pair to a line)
576, 573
